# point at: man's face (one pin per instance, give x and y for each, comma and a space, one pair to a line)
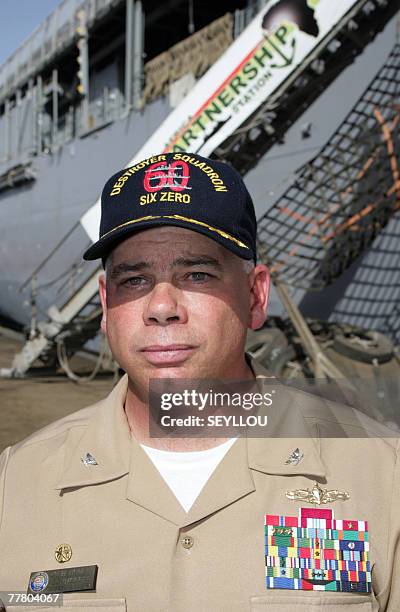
177, 305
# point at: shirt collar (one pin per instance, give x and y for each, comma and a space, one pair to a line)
287, 432
106, 436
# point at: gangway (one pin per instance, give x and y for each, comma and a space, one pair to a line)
75, 320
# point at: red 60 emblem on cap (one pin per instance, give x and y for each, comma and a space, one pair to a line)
175, 176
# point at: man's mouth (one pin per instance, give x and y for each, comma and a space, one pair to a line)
167, 354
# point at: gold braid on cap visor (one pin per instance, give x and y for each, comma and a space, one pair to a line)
179, 218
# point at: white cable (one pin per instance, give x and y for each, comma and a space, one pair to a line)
64, 362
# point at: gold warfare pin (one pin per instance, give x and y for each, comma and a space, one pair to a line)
317, 495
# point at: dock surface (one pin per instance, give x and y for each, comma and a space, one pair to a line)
27, 405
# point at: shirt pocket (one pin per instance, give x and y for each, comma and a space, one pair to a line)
77, 605
279, 601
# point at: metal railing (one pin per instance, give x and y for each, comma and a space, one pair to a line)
55, 34
27, 125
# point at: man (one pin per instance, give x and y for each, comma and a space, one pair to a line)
197, 524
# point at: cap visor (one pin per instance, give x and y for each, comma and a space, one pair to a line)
109, 241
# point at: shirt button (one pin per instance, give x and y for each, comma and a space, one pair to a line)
187, 542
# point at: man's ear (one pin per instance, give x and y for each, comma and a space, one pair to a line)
259, 292
103, 299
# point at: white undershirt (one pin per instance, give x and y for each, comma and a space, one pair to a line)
186, 473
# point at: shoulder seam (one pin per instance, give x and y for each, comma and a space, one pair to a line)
27, 443
354, 425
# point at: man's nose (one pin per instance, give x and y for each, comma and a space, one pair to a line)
164, 306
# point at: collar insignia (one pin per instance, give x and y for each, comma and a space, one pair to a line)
295, 457
88, 459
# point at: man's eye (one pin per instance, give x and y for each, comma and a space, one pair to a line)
199, 276
134, 281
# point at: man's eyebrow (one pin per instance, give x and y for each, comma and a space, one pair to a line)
188, 261
198, 260
129, 267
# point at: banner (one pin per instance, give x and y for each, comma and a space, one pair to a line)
267, 52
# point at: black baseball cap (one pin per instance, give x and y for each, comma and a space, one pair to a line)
180, 189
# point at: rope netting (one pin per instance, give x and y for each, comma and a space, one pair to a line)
342, 199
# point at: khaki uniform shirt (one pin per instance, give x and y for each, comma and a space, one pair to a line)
122, 516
